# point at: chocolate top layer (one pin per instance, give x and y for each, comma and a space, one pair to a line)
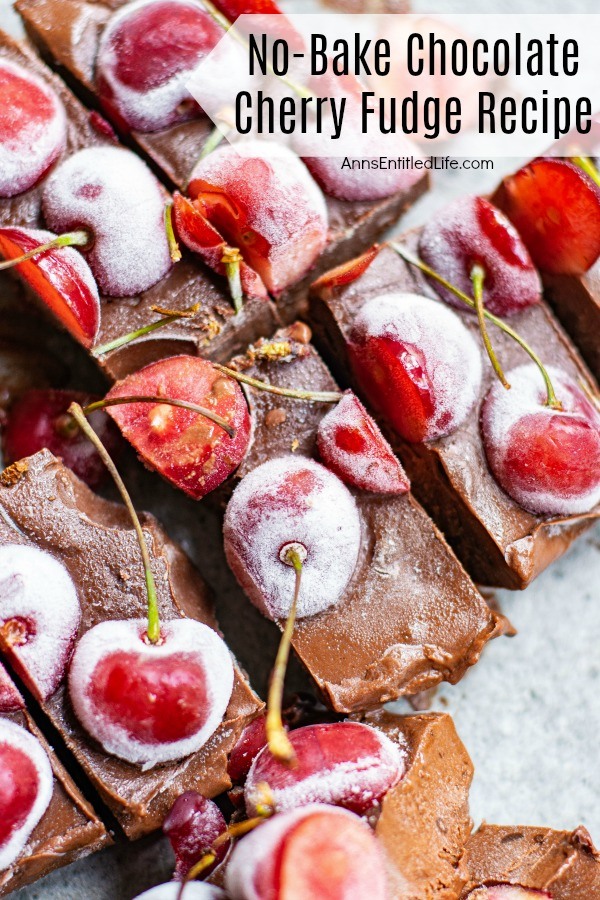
499, 542
43, 503
576, 301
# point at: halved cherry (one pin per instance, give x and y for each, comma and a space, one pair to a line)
347, 272
192, 826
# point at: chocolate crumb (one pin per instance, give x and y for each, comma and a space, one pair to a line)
13, 473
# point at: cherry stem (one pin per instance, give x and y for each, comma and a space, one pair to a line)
232, 259
169, 401
407, 256
153, 618
317, 396
477, 279
174, 250
585, 163
72, 239
173, 316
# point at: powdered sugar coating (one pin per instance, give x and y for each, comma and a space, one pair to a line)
506, 892
33, 128
194, 890
452, 359
179, 636
346, 764
471, 230
292, 500
38, 593
503, 412
111, 192
13, 736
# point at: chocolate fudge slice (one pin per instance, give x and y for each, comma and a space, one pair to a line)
43, 504
498, 541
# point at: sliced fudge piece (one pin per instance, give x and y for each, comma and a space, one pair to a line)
46, 823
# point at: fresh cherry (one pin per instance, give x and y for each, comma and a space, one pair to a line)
39, 419
10, 699
261, 198
113, 195
342, 763
548, 460
33, 128
150, 703
351, 445
506, 892
192, 826
555, 206
249, 744
319, 852
39, 616
148, 51
26, 785
61, 278
194, 890
416, 363
471, 231
292, 501
192, 452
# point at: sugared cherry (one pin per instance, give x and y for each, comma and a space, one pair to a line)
351, 445
319, 852
194, 890
506, 892
547, 460
61, 278
39, 419
249, 744
39, 616
151, 703
416, 363
33, 128
26, 785
192, 826
113, 195
192, 452
292, 501
342, 763
471, 231
555, 207
10, 699
147, 53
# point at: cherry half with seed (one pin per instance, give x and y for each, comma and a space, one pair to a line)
469, 232
186, 448
192, 826
507, 892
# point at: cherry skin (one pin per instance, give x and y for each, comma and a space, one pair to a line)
190, 451
17, 794
61, 279
471, 231
319, 852
547, 460
351, 445
507, 892
10, 699
147, 53
192, 826
249, 744
555, 207
39, 419
416, 363
33, 128
345, 764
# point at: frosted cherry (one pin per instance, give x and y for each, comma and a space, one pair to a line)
192, 826
194, 890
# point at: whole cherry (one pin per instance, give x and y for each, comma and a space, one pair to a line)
192, 826
249, 744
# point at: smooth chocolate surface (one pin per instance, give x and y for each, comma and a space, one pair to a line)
498, 541
43, 503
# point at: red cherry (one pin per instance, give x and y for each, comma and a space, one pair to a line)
471, 231
261, 198
39, 419
506, 892
547, 460
347, 272
192, 826
319, 852
416, 363
194, 890
187, 449
251, 741
351, 445
61, 279
234, 8
18, 789
10, 699
555, 207
33, 128
148, 52
341, 763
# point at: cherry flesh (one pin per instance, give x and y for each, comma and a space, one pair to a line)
192, 826
18, 789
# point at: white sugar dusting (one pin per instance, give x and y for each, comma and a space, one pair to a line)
194, 890
452, 358
12, 735
37, 590
292, 499
114, 194
179, 636
28, 151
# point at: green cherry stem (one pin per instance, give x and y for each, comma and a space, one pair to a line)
130, 337
153, 618
168, 401
232, 259
72, 239
317, 396
585, 163
477, 279
407, 256
174, 250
